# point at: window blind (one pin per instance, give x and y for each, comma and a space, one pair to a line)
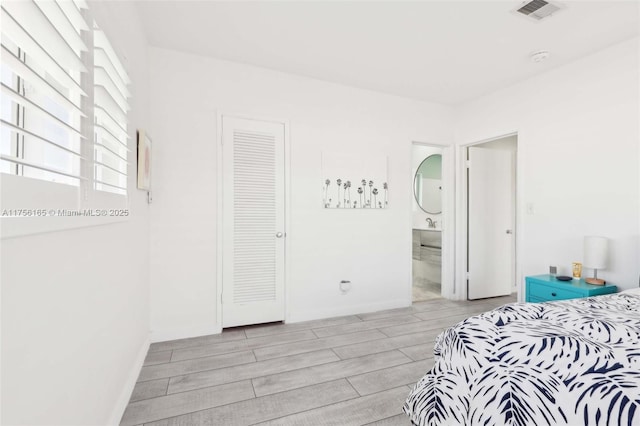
57, 70
41, 84
110, 117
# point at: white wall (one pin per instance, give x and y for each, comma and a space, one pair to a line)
419, 217
75, 303
370, 248
578, 141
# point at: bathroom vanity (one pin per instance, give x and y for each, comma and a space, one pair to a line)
427, 256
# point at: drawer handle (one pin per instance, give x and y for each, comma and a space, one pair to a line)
553, 294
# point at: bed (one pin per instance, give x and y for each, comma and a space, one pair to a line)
574, 362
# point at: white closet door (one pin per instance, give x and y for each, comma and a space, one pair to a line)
490, 235
253, 222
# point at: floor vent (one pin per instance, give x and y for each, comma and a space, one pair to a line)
538, 10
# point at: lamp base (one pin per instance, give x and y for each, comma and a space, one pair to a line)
595, 281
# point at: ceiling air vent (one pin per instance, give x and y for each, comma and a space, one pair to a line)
538, 9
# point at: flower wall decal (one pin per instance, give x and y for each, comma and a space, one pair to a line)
325, 193
341, 192
366, 172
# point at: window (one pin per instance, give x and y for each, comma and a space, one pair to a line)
110, 123
64, 109
42, 72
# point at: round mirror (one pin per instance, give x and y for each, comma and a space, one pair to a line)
427, 184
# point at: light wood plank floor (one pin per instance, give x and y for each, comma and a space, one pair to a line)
353, 370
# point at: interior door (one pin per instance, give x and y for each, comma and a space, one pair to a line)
491, 196
253, 222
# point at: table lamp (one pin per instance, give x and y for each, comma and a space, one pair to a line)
595, 257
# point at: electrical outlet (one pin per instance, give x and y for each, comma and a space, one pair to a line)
345, 286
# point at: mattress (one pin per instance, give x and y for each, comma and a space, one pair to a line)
574, 362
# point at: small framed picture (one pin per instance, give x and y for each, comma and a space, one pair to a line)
144, 160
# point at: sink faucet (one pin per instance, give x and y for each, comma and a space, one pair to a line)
431, 223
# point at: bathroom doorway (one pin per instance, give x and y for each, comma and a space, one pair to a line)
427, 214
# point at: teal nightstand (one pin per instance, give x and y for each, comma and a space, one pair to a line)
546, 288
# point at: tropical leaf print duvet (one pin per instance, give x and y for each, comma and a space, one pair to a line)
575, 362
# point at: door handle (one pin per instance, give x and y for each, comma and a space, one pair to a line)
279, 234
509, 231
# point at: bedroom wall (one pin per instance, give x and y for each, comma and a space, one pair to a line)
578, 140
370, 248
75, 303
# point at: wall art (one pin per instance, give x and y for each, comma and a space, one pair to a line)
354, 181
144, 160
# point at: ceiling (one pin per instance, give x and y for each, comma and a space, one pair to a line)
440, 51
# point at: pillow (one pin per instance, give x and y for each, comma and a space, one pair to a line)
632, 291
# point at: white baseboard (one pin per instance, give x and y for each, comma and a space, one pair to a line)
183, 333
127, 389
347, 310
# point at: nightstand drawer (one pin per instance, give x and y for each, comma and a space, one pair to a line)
548, 293
547, 288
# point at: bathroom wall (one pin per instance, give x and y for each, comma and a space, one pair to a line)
418, 154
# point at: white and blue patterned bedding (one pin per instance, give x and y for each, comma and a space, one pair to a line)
575, 362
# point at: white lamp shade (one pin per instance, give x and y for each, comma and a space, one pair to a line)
595, 252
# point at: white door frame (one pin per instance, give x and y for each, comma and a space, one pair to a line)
461, 216
448, 218
220, 208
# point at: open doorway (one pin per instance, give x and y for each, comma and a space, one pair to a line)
491, 176
427, 206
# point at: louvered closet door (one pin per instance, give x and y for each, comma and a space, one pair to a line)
253, 222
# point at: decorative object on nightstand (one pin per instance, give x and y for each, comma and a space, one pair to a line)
595, 257
547, 288
576, 268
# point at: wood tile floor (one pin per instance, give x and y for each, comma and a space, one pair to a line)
353, 370
424, 289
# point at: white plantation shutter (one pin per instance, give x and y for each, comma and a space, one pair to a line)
110, 117
41, 87
63, 116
